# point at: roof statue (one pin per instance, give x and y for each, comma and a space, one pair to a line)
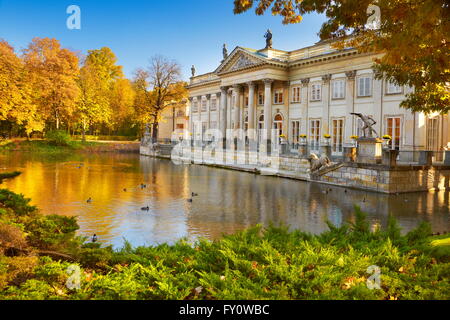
268, 37
225, 51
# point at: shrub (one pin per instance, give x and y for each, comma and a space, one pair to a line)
48, 232
58, 138
12, 240
15, 202
9, 175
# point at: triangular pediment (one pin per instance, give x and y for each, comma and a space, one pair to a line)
240, 59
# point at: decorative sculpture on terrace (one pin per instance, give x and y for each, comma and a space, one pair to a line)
369, 122
318, 163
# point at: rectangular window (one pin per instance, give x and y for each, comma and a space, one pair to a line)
338, 89
213, 104
394, 129
364, 86
316, 92
278, 97
195, 107
295, 131
296, 94
433, 134
203, 105
338, 135
392, 88
315, 134
246, 101
260, 98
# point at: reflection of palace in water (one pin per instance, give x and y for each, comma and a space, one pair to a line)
228, 200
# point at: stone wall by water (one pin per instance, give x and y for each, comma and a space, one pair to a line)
399, 179
371, 177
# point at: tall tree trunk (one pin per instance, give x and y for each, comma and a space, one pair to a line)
155, 132
84, 131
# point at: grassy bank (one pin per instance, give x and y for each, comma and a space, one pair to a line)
44, 146
274, 263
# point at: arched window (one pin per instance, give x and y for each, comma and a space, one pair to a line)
278, 124
260, 127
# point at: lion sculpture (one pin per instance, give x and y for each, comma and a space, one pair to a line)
318, 163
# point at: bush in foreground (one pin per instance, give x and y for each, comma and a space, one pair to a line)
258, 263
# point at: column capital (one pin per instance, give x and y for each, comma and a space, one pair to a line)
208, 96
268, 82
326, 78
351, 75
199, 98
224, 89
237, 87
251, 84
218, 94
305, 82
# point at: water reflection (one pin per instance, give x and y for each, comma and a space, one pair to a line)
228, 200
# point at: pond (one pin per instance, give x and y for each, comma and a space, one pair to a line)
227, 200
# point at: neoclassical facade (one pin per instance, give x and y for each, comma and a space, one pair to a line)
312, 92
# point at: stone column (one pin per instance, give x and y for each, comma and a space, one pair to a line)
208, 108
237, 92
223, 114
378, 104
190, 125
305, 114
305, 106
326, 103
350, 129
251, 111
268, 121
237, 106
199, 135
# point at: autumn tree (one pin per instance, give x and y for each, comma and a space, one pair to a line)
105, 94
412, 35
157, 88
16, 105
52, 72
122, 102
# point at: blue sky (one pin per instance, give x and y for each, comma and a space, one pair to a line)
189, 31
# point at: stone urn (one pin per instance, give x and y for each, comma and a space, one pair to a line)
386, 140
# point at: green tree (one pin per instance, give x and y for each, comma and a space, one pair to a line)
413, 36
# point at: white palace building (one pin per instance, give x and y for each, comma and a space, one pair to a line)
311, 92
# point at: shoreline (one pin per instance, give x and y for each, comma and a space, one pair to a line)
90, 146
